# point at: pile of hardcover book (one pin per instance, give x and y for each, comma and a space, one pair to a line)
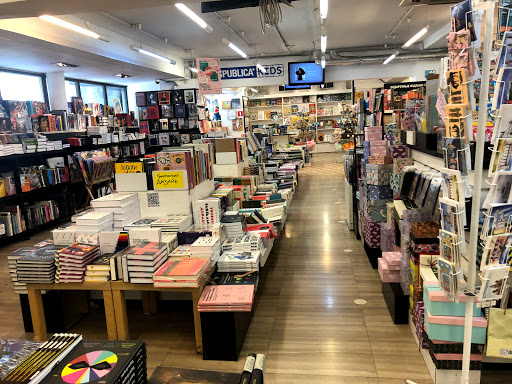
189, 272
174, 223
72, 262
143, 260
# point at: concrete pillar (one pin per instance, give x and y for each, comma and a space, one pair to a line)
57, 90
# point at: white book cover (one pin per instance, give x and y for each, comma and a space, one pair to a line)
206, 212
108, 241
147, 234
114, 200
95, 217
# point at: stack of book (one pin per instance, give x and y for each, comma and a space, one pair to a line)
19, 287
124, 206
206, 248
143, 260
144, 222
174, 223
239, 261
99, 270
226, 298
245, 243
207, 212
38, 267
72, 262
188, 273
234, 225
95, 222
102, 361
181, 252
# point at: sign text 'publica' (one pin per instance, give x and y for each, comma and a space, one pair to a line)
272, 70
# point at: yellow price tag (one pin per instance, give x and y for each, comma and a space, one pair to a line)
170, 180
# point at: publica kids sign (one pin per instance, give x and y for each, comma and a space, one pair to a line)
250, 72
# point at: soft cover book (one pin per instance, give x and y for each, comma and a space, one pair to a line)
186, 269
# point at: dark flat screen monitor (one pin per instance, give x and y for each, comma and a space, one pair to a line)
305, 73
287, 87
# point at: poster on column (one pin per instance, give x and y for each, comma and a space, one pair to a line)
208, 76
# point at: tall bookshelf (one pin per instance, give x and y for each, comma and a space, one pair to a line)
278, 106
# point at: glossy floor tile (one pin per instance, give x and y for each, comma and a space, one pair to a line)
305, 319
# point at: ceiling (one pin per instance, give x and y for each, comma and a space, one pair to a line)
362, 25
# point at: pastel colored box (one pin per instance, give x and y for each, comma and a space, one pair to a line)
366, 149
377, 210
392, 258
401, 162
451, 328
380, 160
379, 150
371, 232
439, 305
386, 275
440, 346
398, 151
371, 136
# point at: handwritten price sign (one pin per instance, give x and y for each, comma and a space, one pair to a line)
170, 180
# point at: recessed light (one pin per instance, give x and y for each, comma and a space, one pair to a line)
121, 75
61, 64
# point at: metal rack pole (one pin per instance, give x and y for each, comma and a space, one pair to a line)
477, 187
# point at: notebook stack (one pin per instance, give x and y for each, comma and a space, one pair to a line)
38, 267
206, 248
72, 262
102, 361
245, 243
95, 222
175, 223
188, 272
99, 270
181, 252
124, 206
232, 261
143, 260
226, 298
234, 225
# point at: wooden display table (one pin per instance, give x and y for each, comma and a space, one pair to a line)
118, 294
37, 311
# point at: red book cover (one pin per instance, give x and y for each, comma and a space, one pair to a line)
187, 268
148, 249
52, 122
153, 112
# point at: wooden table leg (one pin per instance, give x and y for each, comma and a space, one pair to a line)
197, 321
146, 305
110, 315
153, 301
123, 332
35, 300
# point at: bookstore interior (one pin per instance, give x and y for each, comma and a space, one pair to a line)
332, 201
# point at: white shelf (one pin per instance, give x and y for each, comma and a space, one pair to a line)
253, 121
333, 102
303, 93
267, 107
289, 105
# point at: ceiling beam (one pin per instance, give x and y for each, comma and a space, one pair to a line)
226, 5
441, 33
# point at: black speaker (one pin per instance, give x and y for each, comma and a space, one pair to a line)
327, 85
281, 88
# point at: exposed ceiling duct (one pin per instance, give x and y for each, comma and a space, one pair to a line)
354, 60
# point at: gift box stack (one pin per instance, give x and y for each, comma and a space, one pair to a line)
387, 230
389, 267
419, 322
443, 330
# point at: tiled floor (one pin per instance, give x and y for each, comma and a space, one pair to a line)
305, 319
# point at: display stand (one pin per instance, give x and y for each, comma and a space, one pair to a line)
102, 174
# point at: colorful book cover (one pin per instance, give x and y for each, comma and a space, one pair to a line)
187, 268
147, 249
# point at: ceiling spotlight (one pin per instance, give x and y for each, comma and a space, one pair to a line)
324, 7
122, 75
261, 68
192, 15
73, 27
391, 57
151, 54
323, 43
416, 37
67, 65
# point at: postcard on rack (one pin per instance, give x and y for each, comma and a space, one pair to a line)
496, 250
500, 191
457, 81
502, 89
451, 216
455, 153
499, 217
447, 276
501, 158
453, 185
493, 279
449, 247
503, 124
456, 121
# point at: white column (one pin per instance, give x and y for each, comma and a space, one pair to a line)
57, 90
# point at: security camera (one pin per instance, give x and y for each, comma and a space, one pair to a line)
157, 81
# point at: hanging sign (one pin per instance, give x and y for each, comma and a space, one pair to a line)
251, 72
208, 76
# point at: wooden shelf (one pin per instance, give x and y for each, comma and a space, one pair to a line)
329, 117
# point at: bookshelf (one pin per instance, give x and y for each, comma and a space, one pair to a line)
32, 211
307, 104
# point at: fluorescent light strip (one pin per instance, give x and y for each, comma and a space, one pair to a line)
324, 7
323, 62
388, 60
323, 43
237, 50
255, 90
416, 37
261, 68
193, 69
73, 27
192, 15
151, 54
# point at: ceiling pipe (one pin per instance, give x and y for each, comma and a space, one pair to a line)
222, 19
379, 59
400, 22
282, 39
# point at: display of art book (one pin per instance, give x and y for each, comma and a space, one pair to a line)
226, 298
